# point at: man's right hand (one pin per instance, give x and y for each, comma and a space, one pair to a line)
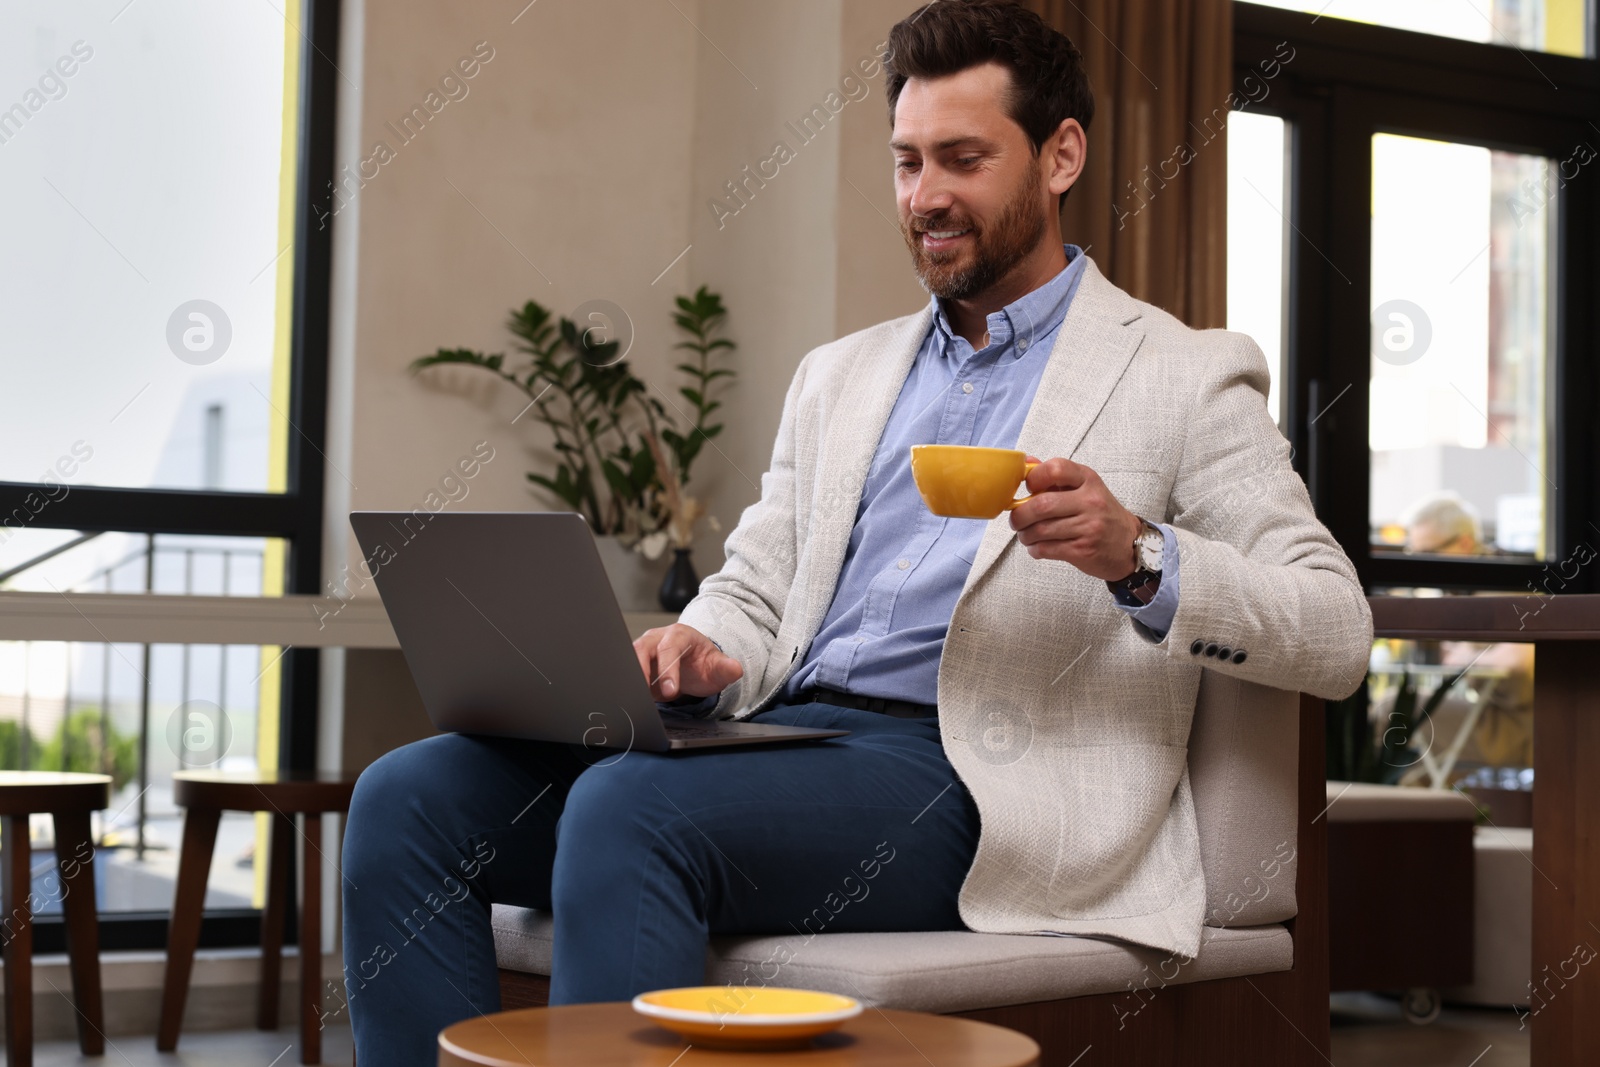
681, 661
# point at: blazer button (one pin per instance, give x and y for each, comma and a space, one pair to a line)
1224, 652
1238, 657
1211, 649
1196, 648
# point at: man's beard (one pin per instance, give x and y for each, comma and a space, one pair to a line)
996, 249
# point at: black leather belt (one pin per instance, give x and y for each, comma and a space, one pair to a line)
899, 709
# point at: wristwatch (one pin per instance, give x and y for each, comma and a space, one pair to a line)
1139, 588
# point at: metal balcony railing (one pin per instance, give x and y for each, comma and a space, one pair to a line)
62, 715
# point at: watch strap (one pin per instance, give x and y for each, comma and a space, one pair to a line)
1137, 589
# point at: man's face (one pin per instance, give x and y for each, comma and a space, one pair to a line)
969, 187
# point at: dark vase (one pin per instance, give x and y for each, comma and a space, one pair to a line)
681, 582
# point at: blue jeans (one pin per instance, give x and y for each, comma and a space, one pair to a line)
639, 856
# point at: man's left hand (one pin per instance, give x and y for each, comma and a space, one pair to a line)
1073, 517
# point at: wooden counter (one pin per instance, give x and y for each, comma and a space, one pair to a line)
1564, 1012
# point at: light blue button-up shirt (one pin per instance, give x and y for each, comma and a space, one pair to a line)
905, 567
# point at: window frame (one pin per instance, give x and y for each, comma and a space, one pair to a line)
1347, 81
296, 515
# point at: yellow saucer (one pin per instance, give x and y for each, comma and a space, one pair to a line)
741, 1017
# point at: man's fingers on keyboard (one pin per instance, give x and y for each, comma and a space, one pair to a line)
645, 654
647, 648
723, 670
669, 656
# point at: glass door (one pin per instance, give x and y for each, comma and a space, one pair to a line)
1461, 298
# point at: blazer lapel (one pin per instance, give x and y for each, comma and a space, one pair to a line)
1093, 347
873, 381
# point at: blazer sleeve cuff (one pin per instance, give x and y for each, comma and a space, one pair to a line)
1152, 621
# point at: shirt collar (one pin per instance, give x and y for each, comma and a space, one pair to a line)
1028, 318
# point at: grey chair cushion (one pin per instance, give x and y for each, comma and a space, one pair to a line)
1244, 753
943, 971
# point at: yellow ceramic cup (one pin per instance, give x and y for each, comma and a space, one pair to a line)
966, 482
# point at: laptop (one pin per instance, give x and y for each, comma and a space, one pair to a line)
510, 628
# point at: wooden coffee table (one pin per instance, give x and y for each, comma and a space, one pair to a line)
614, 1035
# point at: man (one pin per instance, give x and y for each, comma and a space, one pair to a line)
1018, 692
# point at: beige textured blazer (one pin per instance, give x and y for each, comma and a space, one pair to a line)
1068, 725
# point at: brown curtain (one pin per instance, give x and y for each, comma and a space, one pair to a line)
1151, 205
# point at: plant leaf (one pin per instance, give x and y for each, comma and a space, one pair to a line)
450, 355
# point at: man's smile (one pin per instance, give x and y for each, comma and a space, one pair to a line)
940, 240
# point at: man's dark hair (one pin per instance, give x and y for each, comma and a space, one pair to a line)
949, 36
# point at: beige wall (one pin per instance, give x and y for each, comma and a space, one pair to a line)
775, 260
875, 281
563, 176
581, 162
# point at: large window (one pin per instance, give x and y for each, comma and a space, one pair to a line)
165, 287
1560, 26
144, 282
1412, 212
1412, 216
1257, 238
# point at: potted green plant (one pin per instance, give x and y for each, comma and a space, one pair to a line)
620, 459
701, 317
1358, 752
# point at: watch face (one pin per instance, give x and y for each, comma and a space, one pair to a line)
1151, 545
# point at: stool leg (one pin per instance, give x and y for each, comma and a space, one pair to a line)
75, 852
311, 941
16, 926
183, 931
280, 848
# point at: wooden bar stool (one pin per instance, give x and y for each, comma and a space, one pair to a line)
285, 794
68, 799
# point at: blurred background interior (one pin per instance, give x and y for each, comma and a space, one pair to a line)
235, 226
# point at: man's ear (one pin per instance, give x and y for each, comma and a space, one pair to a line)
1065, 153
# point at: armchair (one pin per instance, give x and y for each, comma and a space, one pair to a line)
1256, 992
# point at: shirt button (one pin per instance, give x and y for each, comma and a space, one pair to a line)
966, 387
1023, 345
903, 564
